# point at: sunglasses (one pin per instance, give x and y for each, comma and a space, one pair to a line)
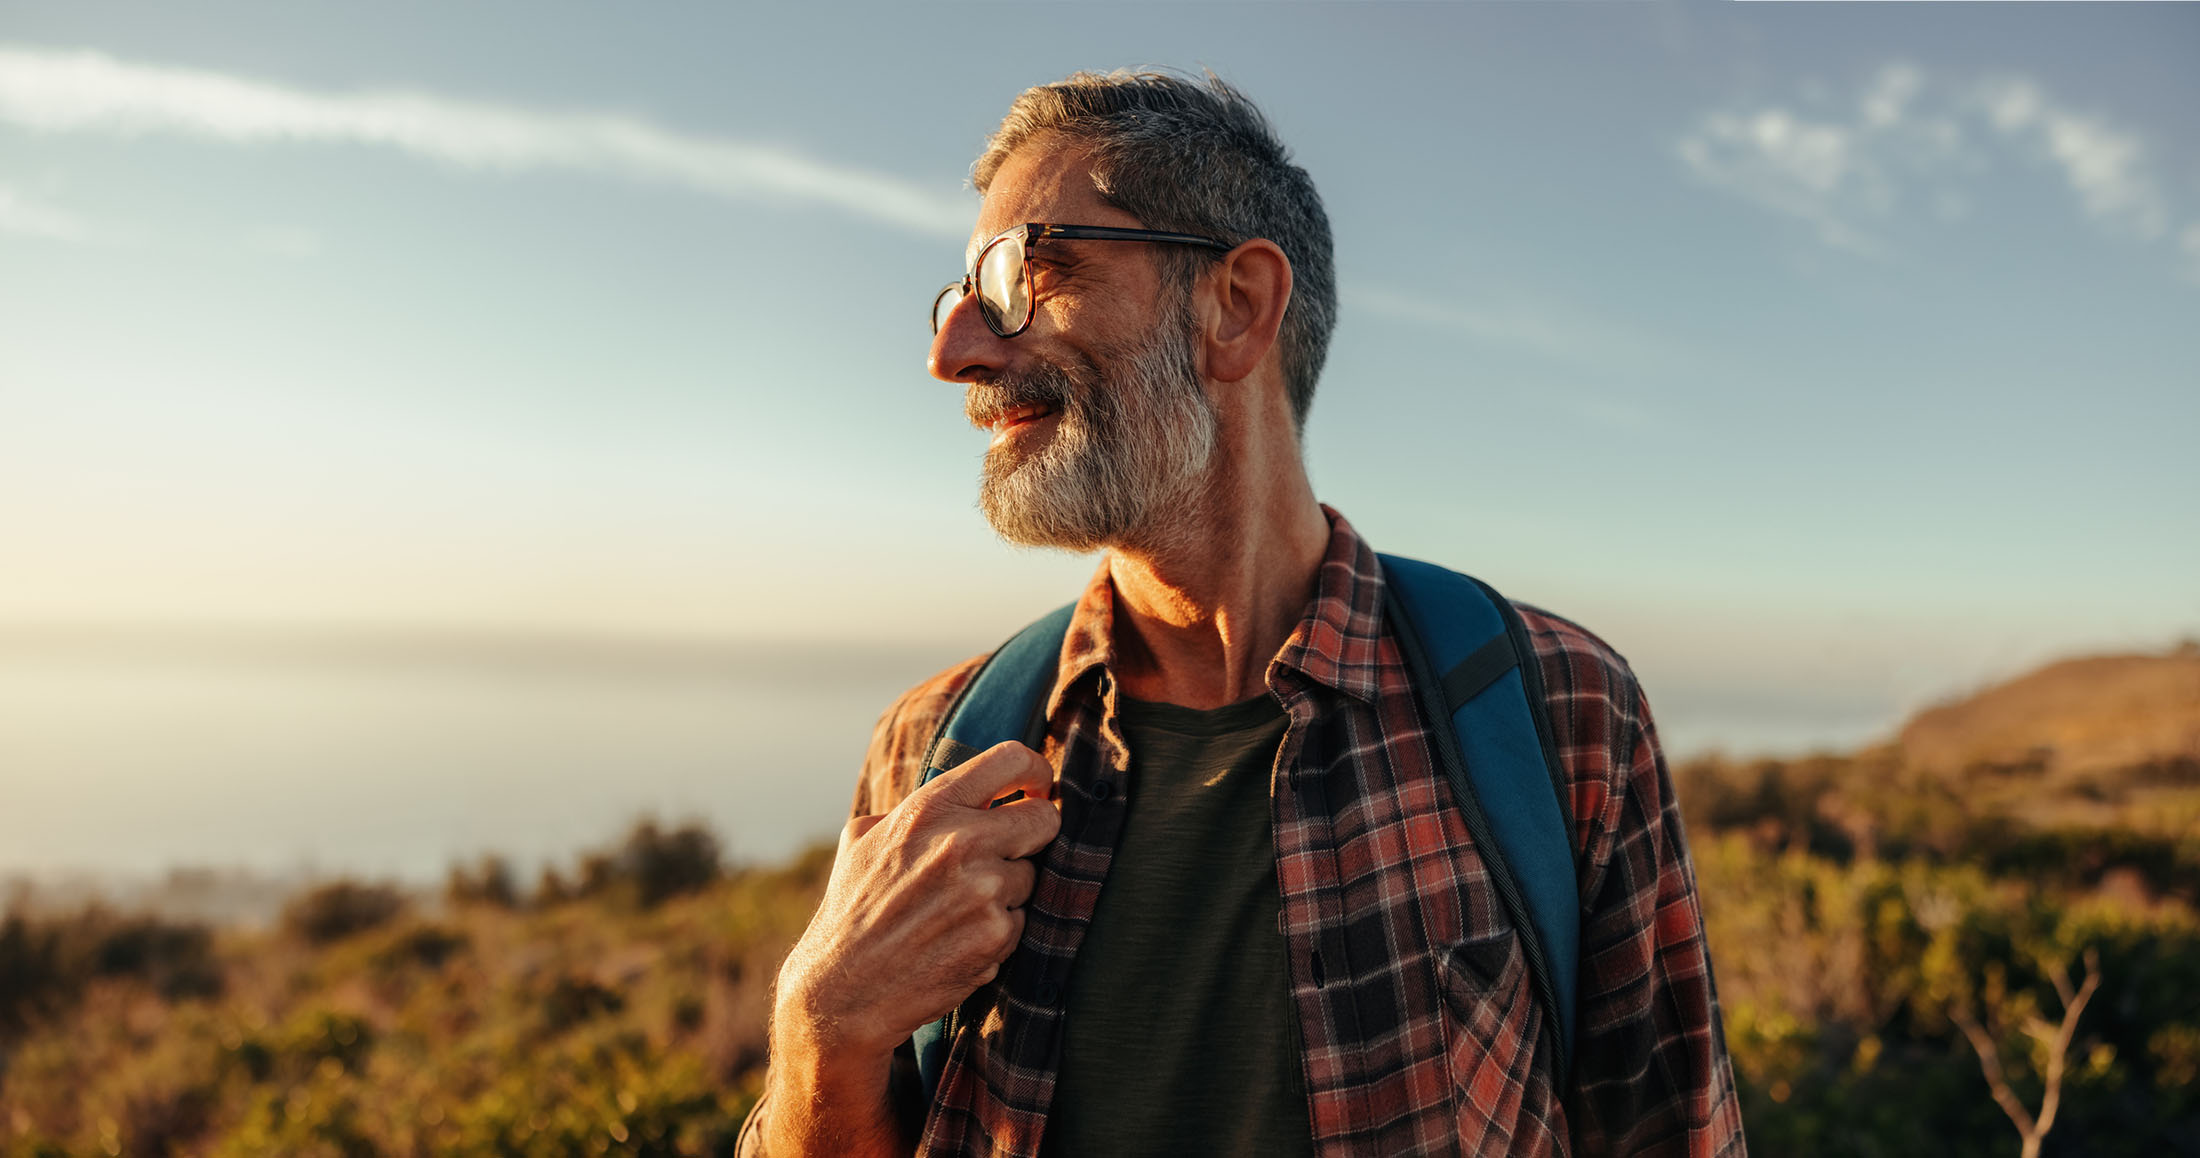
1002, 274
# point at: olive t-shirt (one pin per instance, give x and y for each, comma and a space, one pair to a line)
1178, 1034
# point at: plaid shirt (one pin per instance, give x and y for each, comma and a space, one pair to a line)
1419, 1026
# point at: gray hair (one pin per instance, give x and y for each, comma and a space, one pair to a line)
1193, 157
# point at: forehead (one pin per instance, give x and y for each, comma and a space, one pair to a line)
1046, 180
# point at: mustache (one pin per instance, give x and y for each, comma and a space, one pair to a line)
986, 400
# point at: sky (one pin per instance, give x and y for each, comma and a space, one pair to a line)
1825, 359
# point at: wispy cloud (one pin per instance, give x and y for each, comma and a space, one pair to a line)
31, 218
2188, 246
2105, 166
1843, 169
1552, 331
1546, 334
1908, 138
89, 92
1808, 170
1506, 327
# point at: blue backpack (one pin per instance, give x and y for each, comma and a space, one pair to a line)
1471, 662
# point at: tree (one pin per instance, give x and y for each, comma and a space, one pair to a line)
2054, 1039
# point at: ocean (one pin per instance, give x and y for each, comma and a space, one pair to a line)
126, 758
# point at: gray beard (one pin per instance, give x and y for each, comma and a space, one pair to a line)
1129, 454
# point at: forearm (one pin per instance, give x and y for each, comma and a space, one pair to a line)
817, 1104
798, 1116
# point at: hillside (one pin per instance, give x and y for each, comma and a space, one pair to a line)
1866, 913
2072, 718
2080, 770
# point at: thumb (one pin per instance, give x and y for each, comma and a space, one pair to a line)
1004, 768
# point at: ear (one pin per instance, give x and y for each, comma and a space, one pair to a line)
1245, 295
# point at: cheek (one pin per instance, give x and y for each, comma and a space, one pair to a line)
1093, 316
1062, 314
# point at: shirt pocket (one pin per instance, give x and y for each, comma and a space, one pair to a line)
1490, 1021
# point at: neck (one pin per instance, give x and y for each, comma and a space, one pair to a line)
1199, 613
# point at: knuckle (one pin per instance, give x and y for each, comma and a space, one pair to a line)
921, 809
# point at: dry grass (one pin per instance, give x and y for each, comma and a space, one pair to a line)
589, 1026
2070, 719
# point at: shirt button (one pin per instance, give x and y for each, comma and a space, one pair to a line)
1048, 993
1102, 789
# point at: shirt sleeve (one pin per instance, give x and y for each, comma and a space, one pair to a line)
1651, 1074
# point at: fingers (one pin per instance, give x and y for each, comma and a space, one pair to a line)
1003, 932
1004, 768
1021, 828
1018, 828
1017, 879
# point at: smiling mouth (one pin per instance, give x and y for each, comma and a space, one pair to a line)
1012, 419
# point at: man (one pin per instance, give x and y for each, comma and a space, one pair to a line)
1233, 911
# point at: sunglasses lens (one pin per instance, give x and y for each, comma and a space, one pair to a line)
1002, 291
945, 304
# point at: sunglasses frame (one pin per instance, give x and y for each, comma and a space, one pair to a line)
1036, 231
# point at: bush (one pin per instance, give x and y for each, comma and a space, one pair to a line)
427, 946
341, 909
46, 962
652, 865
572, 1000
552, 889
32, 974
487, 882
1840, 985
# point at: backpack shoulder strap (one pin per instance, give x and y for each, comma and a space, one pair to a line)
1005, 700
1472, 664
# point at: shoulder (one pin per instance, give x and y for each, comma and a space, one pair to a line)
1585, 680
1598, 714
895, 760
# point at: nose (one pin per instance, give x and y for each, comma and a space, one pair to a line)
966, 349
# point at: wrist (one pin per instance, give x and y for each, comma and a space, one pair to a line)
825, 1099
813, 1050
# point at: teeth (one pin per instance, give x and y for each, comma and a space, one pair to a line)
1018, 415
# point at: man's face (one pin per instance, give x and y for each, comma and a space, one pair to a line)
1101, 431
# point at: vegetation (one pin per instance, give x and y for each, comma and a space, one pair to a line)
1990, 954
1997, 956
622, 1015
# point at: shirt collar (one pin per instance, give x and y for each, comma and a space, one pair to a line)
1336, 643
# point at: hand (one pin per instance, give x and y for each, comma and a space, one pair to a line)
923, 905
